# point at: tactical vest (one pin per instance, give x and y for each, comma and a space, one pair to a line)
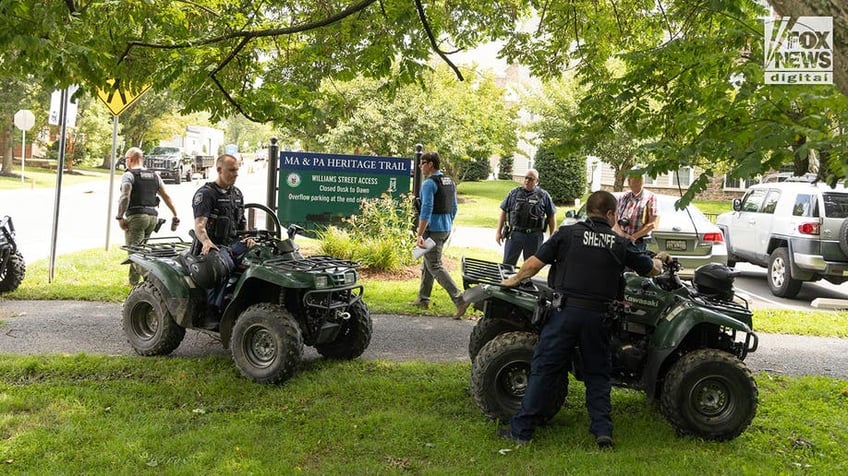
593, 263
445, 193
528, 212
227, 216
143, 197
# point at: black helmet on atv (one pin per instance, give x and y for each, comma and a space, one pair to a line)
211, 269
714, 279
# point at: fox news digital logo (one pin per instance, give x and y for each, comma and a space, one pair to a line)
798, 52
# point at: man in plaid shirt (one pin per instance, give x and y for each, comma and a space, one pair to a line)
636, 215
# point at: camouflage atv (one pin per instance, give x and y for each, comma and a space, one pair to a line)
683, 345
12, 264
276, 301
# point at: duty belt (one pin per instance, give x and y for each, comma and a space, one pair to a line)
527, 230
588, 304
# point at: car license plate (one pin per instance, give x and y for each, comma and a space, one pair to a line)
675, 245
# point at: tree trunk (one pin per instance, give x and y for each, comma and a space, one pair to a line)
838, 9
9, 152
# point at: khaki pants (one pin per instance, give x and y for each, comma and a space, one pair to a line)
139, 228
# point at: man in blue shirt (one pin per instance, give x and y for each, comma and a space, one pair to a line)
435, 221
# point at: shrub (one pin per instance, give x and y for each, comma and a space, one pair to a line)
563, 177
478, 169
505, 165
379, 237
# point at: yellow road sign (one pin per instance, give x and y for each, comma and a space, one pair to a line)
117, 99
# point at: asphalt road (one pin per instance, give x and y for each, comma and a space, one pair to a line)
70, 327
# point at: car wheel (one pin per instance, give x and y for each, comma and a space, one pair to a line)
709, 394
147, 323
501, 372
267, 345
780, 279
178, 177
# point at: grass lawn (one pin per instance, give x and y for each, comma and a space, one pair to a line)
123, 415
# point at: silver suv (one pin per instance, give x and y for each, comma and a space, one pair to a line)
796, 229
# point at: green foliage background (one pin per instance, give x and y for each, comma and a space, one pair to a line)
562, 176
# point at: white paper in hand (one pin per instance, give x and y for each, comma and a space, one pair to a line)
419, 252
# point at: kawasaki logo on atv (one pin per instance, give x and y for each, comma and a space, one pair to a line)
642, 301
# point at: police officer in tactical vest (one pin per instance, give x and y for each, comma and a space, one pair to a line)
137, 214
525, 214
219, 217
586, 261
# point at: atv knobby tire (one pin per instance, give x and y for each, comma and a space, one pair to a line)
354, 336
709, 394
13, 274
267, 345
487, 329
501, 372
148, 325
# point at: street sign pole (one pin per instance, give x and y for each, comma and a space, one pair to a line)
109, 219
23, 154
63, 127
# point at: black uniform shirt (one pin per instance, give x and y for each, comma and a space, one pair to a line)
225, 210
587, 259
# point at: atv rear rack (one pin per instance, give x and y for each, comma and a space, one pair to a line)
312, 263
159, 247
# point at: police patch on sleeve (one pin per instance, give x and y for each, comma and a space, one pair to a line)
198, 197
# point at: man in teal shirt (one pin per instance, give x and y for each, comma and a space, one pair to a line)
435, 221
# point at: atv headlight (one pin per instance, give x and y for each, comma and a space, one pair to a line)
350, 277
321, 281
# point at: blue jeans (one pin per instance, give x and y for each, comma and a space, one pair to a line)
235, 253
566, 330
520, 243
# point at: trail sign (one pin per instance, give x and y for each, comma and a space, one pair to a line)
317, 190
117, 99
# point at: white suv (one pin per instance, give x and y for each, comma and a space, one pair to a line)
796, 229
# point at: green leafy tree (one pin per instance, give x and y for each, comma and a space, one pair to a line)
685, 84
16, 95
269, 62
466, 122
562, 176
505, 164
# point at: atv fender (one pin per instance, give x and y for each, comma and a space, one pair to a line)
175, 288
673, 329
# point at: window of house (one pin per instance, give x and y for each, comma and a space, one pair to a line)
735, 183
682, 177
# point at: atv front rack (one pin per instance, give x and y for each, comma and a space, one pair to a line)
312, 263
159, 247
476, 271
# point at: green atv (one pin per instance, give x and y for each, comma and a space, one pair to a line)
276, 301
681, 344
12, 264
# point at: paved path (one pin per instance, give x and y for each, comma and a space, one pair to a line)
68, 327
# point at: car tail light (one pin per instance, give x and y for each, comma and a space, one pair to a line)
714, 237
811, 228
